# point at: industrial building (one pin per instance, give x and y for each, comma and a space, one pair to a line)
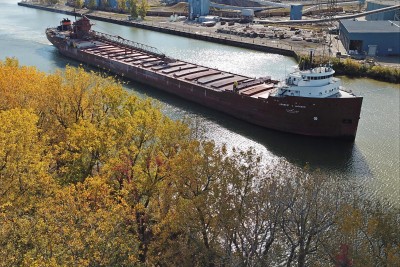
296, 11
375, 38
99, 3
198, 8
389, 15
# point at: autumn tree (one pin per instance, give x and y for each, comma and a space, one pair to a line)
23, 160
133, 8
366, 229
21, 87
122, 5
92, 4
139, 167
92, 175
24, 183
200, 171
254, 208
311, 203
79, 3
143, 8
84, 225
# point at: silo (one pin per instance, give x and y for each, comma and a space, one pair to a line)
296, 12
198, 8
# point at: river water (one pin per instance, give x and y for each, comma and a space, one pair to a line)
372, 161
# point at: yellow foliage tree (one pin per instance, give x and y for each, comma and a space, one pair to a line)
24, 182
91, 175
23, 160
84, 225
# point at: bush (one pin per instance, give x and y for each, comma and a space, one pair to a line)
354, 68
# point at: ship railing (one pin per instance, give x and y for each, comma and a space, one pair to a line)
127, 43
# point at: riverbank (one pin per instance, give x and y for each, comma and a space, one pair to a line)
195, 32
354, 69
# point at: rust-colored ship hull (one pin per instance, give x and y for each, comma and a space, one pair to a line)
246, 98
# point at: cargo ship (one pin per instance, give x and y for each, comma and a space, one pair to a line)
308, 102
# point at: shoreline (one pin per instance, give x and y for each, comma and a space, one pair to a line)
384, 73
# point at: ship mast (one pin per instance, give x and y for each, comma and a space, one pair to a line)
311, 59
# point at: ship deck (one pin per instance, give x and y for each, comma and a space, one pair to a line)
210, 78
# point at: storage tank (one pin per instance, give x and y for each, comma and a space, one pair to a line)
208, 19
296, 12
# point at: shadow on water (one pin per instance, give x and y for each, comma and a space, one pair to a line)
59, 60
342, 157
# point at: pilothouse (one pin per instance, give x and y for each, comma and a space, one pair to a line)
314, 82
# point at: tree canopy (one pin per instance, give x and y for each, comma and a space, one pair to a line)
91, 175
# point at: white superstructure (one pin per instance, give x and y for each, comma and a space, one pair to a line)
316, 82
